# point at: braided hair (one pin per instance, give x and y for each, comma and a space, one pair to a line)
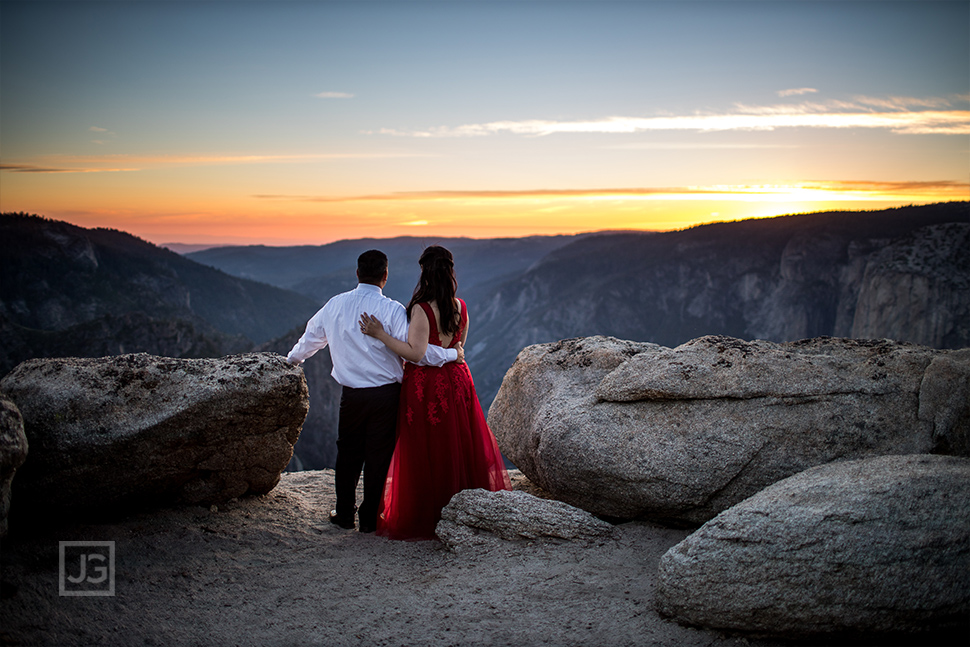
438, 284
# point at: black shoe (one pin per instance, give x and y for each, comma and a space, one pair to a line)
366, 527
347, 523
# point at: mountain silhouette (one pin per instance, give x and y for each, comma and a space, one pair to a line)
899, 273
70, 290
779, 279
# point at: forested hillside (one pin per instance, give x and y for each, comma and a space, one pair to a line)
900, 273
69, 290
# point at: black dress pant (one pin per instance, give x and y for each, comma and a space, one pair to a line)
366, 435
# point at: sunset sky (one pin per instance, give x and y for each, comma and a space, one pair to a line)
307, 122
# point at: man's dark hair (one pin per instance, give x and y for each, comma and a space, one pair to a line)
370, 266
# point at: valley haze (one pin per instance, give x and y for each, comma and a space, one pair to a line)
899, 273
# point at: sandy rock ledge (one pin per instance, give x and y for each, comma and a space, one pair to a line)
270, 571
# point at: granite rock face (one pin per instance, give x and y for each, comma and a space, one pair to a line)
136, 430
899, 273
635, 430
875, 546
13, 451
919, 288
475, 516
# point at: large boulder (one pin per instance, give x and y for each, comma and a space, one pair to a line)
634, 430
13, 451
134, 430
474, 517
874, 546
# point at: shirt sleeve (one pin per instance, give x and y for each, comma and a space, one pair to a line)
313, 339
438, 356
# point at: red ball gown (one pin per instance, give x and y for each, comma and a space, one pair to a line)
443, 446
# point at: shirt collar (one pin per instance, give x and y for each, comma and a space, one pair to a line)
368, 287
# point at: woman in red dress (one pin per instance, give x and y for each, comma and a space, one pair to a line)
444, 444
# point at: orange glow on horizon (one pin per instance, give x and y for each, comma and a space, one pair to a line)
232, 205
191, 217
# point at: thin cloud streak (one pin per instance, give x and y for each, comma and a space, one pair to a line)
796, 92
334, 95
695, 146
895, 115
905, 103
859, 190
27, 168
927, 122
108, 163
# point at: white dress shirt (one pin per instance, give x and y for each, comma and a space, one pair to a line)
360, 361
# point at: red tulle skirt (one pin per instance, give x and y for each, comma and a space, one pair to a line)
444, 446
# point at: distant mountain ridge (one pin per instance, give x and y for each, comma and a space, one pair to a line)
321, 271
185, 248
901, 274
86, 291
779, 279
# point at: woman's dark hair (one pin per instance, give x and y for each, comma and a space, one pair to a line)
438, 284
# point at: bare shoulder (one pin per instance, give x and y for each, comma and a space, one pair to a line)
418, 312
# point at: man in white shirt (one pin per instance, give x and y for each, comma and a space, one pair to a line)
370, 375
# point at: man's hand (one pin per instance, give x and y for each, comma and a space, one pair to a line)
461, 353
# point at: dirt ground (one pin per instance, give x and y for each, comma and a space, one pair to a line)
271, 570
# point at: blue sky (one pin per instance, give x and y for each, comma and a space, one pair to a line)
286, 121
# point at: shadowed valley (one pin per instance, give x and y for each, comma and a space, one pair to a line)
902, 274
